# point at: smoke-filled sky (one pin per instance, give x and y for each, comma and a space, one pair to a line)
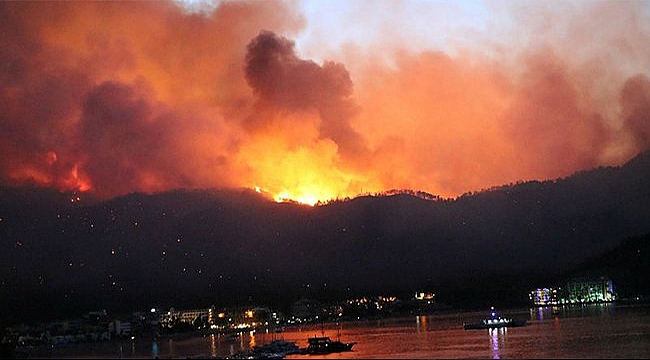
316, 100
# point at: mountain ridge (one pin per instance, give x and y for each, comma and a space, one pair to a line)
198, 247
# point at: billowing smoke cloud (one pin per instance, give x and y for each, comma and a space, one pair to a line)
553, 90
115, 97
285, 82
635, 100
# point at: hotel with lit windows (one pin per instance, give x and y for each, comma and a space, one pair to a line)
576, 291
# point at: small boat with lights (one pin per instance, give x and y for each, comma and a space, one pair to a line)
325, 345
495, 321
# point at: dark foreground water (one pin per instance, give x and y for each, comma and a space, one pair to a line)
595, 331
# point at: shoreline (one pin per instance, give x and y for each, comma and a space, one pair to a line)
233, 336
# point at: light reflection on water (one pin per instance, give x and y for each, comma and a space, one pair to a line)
497, 339
578, 332
154, 349
251, 342
213, 345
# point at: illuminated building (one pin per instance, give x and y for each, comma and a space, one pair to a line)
545, 296
577, 291
590, 290
424, 296
188, 316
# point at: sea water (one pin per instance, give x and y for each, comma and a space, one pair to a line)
589, 331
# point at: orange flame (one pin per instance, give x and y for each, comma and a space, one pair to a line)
307, 174
77, 181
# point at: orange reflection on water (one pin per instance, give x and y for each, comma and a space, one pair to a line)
251, 343
421, 323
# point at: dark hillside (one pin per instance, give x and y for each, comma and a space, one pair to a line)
188, 248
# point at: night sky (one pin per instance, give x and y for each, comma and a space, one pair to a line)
319, 100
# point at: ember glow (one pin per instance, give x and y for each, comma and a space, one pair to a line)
311, 101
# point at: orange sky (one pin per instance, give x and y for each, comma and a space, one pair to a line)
117, 97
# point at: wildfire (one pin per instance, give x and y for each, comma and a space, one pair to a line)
310, 198
214, 101
44, 173
309, 173
305, 198
76, 180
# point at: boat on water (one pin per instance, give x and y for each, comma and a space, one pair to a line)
325, 345
495, 321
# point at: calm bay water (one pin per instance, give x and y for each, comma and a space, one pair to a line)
594, 331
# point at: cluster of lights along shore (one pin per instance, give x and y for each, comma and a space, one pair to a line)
248, 318
100, 325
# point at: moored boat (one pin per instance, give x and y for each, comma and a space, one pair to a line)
325, 345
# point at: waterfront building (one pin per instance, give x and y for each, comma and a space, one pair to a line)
576, 291
204, 317
424, 302
589, 290
424, 296
545, 296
